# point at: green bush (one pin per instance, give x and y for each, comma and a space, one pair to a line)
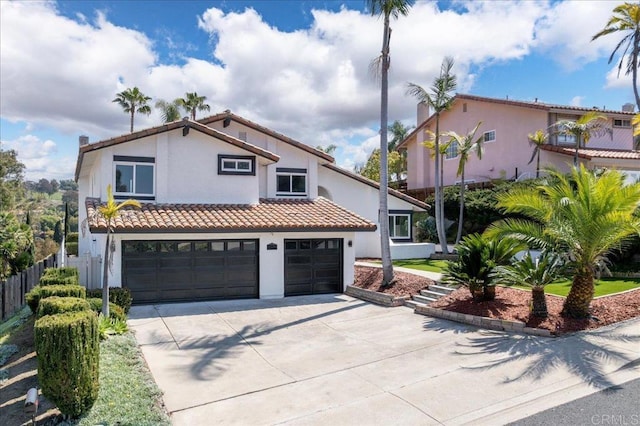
110, 326
42, 292
47, 281
58, 276
66, 271
72, 237
68, 352
58, 305
118, 295
115, 311
72, 249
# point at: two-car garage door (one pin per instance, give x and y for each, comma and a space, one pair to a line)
168, 271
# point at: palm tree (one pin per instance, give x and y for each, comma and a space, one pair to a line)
192, 103
626, 20
110, 212
535, 273
466, 145
583, 214
440, 99
399, 133
170, 111
329, 149
132, 101
537, 139
388, 9
582, 129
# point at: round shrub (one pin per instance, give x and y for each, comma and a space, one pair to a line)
58, 305
68, 360
33, 299
115, 311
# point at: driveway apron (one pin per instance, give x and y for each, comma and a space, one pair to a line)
335, 359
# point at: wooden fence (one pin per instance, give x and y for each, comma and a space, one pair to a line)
14, 289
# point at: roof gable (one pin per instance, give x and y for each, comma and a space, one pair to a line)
186, 124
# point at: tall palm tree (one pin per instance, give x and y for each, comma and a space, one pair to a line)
626, 20
110, 211
169, 111
537, 139
132, 101
387, 9
583, 214
192, 103
399, 133
329, 149
589, 125
440, 98
467, 144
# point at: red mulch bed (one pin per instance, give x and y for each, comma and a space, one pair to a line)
510, 303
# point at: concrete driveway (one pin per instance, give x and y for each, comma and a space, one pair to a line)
337, 360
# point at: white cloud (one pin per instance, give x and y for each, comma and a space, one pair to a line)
40, 158
312, 84
576, 101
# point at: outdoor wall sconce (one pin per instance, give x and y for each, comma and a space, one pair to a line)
350, 243
272, 246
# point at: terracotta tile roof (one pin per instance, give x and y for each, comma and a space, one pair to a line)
589, 153
166, 128
516, 103
231, 116
319, 215
376, 185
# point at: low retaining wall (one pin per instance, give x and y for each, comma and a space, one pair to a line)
493, 324
440, 256
375, 297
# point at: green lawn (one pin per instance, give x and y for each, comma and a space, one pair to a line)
422, 264
604, 286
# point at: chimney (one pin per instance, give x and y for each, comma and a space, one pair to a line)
83, 140
628, 107
423, 113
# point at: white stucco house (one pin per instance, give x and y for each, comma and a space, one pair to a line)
231, 209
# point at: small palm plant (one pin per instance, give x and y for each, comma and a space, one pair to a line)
478, 257
535, 273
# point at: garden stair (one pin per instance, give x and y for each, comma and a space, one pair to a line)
426, 297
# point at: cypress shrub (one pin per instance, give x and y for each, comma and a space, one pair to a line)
56, 276
56, 280
58, 305
42, 292
115, 311
72, 249
66, 271
119, 295
68, 352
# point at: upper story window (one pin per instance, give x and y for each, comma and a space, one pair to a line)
134, 177
566, 139
399, 225
452, 150
236, 165
621, 123
291, 181
490, 136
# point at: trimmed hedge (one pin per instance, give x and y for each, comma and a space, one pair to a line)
68, 351
42, 292
118, 295
115, 311
72, 249
57, 276
46, 281
58, 305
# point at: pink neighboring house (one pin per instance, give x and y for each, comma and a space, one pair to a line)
505, 127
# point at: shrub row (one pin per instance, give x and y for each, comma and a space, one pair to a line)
42, 292
118, 295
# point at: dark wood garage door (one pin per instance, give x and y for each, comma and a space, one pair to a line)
312, 266
170, 271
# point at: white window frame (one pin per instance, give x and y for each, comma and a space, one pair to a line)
135, 165
488, 132
236, 160
452, 148
392, 228
291, 173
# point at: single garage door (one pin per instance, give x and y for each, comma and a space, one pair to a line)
171, 271
312, 266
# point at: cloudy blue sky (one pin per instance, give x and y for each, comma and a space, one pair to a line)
298, 67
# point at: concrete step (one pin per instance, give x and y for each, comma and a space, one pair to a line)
433, 294
441, 288
413, 304
424, 299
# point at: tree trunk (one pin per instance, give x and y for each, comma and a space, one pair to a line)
577, 302
105, 277
442, 239
132, 112
538, 165
634, 52
461, 215
385, 249
539, 302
